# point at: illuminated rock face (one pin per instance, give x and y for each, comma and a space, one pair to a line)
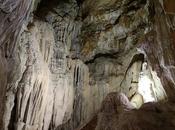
150, 115
145, 89
146, 85
70, 55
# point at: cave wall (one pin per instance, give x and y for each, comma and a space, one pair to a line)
159, 45
13, 14
71, 54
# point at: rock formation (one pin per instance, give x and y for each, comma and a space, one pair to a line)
60, 59
117, 114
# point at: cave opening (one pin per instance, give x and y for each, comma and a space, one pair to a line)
145, 85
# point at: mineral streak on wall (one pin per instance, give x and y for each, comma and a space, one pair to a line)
59, 59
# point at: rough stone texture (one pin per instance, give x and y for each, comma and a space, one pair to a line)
113, 31
43, 79
159, 46
71, 54
3, 82
151, 116
12, 14
29, 77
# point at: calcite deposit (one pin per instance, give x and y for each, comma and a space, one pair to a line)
87, 64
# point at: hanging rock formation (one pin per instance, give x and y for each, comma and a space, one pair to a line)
60, 59
13, 14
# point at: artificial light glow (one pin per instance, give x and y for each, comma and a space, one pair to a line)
145, 88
